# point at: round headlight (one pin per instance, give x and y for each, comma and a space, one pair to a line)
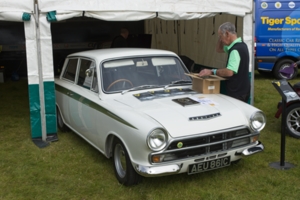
257, 121
157, 140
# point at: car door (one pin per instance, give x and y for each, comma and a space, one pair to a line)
88, 111
69, 76
81, 114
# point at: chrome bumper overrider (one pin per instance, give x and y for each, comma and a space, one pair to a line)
157, 170
256, 149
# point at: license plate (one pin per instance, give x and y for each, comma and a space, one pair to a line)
209, 165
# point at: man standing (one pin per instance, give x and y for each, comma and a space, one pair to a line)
237, 67
120, 40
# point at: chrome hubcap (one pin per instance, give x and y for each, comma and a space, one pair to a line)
293, 121
120, 160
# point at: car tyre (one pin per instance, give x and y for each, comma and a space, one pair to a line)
60, 123
292, 121
281, 65
124, 171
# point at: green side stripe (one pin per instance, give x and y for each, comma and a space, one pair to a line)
93, 105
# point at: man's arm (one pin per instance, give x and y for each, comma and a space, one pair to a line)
224, 72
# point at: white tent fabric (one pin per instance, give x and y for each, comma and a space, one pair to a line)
183, 15
17, 6
63, 15
46, 48
14, 16
171, 6
121, 15
31, 52
130, 10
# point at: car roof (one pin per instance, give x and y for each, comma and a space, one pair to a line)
101, 54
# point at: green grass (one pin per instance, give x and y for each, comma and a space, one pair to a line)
72, 169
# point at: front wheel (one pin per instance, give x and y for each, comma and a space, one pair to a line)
282, 64
124, 171
292, 121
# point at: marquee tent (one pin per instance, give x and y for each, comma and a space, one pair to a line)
44, 12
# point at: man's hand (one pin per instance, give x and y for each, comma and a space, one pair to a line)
205, 72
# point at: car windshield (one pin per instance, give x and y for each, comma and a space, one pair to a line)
131, 73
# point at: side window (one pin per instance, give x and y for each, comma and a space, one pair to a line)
70, 71
84, 79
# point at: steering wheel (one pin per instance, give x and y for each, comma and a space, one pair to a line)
119, 80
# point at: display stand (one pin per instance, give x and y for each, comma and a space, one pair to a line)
288, 94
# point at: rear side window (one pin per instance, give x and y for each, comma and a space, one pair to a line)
84, 79
70, 71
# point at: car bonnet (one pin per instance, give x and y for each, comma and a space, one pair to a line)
216, 113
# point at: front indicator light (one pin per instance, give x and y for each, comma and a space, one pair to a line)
255, 138
157, 158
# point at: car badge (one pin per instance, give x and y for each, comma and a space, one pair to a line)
179, 144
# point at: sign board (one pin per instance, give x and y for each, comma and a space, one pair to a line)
286, 90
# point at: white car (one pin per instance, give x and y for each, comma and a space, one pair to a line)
137, 106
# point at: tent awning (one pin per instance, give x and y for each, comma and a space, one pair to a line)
127, 10
16, 10
17, 6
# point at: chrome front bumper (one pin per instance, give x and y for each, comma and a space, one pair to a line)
149, 171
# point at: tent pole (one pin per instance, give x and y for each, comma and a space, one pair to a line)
40, 71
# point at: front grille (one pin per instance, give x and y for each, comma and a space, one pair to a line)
204, 145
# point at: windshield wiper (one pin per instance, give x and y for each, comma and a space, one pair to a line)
140, 87
177, 82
